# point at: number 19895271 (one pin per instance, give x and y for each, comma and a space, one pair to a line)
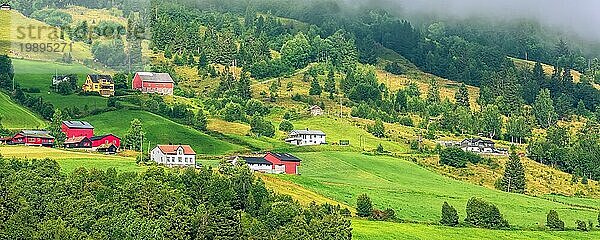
46, 47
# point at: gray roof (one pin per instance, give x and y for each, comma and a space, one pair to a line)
155, 77
256, 160
286, 157
96, 77
36, 133
307, 132
78, 124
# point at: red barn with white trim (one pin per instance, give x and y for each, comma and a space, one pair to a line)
149, 82
77, 129
33, 138
287, 161
105, 139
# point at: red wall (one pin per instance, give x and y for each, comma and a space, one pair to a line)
137, 83
290, 167
108, 139
76, 132
20, 139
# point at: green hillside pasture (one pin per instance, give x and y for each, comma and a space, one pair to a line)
160, 130
416, 193
70, 160
342, 129
371, 230
38, 74
16, 117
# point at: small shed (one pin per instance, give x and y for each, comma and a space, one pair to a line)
316, 110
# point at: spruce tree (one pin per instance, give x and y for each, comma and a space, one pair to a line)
330, 83
553, 221
243, 87
449, 215
315, 87
56, 128
462, 96
543, 109
513, 179
433, 94
364, 207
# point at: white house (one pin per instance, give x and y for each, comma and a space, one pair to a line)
306, 137
174, 155
258, 164
478, 145
315, 110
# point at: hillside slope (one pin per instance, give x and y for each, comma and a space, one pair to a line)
160, 130
14, 116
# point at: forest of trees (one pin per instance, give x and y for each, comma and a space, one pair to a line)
38, 201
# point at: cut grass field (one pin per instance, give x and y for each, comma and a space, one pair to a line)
416, 193
70, 160
160, 130
371, 230
14, 116
38, 74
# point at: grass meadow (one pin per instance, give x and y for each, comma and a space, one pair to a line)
14, 116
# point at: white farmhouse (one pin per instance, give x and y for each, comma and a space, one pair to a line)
478, 145
174, 155
306, 137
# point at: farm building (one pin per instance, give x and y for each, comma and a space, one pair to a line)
149, 82
5, 140
97, 141
478, 145
174, 155
107, 148
77, 129
33, 138
316, 110
102, 84
306, 137
270, 163
78, 142
5, 7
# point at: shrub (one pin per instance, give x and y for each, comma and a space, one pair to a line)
364, 207
380, 148
483, 214
406, 121
449, 215
553, 221
454, 157
286, 126
261, 127
581, 226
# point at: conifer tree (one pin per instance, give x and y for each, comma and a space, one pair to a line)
56, 128
433, 94
513, 179
243, 87
543, 109
378, 130
330, 83
364, 207
553, 221
200, 122
449, 215
462, 96
315, 87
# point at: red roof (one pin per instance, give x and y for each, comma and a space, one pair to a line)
172, 149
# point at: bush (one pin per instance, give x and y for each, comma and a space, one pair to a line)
581, 226
406, 121
286, 126
394, 68
553, 221
454, 157
483, 214
364, 207
261, 127
449, 215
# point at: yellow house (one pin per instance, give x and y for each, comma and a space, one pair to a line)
102, 84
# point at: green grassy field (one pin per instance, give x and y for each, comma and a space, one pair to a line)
370, 230
342, 129
160, 130
70, 160
416, 193
16, 117
38, 74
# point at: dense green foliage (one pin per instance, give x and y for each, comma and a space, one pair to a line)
483, 214
157, 203
449, 215
513, 179
456, 157
553, 221
364, 207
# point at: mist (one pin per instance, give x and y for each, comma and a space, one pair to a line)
580, 17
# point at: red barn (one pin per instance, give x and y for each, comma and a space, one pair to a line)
105, 139
288, 161
78, 142
77, 129
149, 82
33, 138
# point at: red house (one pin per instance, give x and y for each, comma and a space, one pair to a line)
78, 142
77, 129
149, 82
97, 141
33, 138
287, 161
